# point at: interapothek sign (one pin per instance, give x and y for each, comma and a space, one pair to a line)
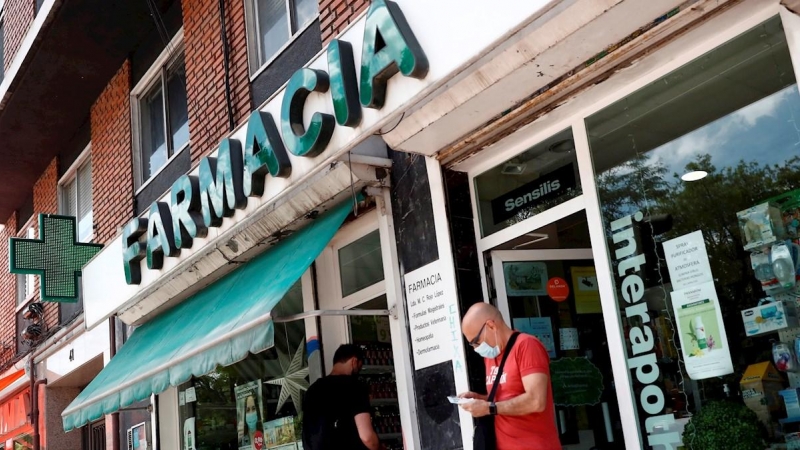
343, 96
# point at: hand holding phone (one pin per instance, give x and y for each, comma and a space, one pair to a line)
459, 401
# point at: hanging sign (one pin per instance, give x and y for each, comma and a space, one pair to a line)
576, 382
57, 257
557, 289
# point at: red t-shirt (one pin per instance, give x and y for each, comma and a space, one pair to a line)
536, 431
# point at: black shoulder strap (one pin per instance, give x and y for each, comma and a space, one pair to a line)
511, 342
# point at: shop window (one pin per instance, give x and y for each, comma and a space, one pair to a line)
676, 163
76, 197
360, 263
521, 187
273, 24
259, 398
161, 115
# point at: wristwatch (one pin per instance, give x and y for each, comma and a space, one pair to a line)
492, 408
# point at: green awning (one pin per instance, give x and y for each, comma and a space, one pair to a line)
216, 327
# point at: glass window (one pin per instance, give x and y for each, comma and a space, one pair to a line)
76, 200
676, 162
275, 23
253, 400
537, 179
361, 264
164, 118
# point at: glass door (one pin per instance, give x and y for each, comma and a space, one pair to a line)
553, 295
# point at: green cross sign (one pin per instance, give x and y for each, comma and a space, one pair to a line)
57, 257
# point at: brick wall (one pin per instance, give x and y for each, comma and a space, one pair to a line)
335, 15
19, 16
205, 80
8, 297
45, 201
112, 166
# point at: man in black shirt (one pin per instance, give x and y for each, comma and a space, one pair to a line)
336, 410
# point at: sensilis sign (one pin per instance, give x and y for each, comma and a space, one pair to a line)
224, 182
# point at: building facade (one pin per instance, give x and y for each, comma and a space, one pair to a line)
271, 179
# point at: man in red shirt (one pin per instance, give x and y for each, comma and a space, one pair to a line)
523, 404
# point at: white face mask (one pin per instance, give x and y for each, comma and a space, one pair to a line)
488, 352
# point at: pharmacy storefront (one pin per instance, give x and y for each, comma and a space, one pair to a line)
646, 229
237, 286
622, 180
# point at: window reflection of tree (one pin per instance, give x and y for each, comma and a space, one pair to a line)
709, 205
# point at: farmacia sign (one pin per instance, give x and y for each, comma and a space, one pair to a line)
225, 182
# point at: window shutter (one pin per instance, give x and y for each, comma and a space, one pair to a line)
84, 179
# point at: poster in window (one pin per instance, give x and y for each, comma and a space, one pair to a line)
525, 278
587, 295
249, 414
702, 332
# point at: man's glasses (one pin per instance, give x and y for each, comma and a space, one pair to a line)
474, 342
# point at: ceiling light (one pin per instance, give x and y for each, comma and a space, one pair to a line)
694, 175
513, 169
537, 237
565, 146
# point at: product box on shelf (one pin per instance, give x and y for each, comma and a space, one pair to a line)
279, 432
761, 225
792, 441
760, 385
790, 402
770, 317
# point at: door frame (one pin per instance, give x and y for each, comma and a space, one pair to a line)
501, 256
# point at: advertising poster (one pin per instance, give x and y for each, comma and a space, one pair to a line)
279, 432
525, 278
541, 327
702, 334
249, 413
586, 293
189, 434
687, 260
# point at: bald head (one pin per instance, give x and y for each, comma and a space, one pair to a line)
481, 314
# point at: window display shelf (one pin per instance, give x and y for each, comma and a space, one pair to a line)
389, 436
383, 401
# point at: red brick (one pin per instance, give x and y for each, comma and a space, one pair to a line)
19, 15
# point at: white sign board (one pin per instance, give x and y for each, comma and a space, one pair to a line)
433, 315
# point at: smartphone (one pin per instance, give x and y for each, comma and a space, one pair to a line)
459, 401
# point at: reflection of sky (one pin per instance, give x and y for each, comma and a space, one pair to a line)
766, 131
